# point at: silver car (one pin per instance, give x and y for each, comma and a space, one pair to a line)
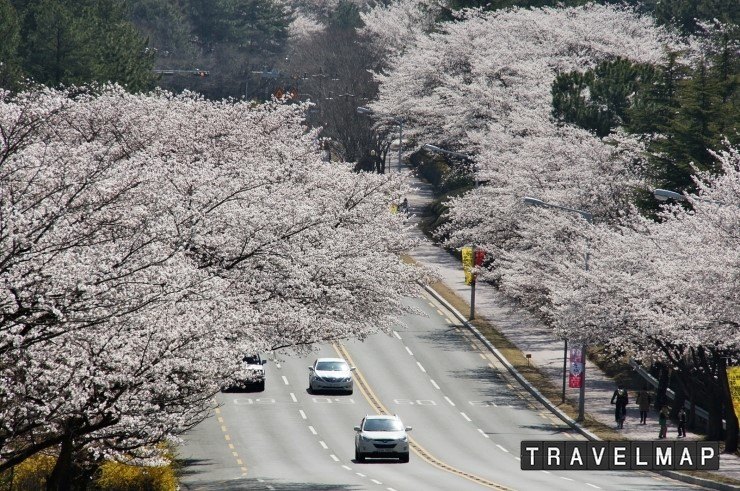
381, 436
330, 374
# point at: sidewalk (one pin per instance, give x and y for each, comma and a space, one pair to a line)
530, 336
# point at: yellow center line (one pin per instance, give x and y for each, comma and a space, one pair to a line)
424, 454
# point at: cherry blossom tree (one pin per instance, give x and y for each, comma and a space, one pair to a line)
148, 241
667, 291
482, 86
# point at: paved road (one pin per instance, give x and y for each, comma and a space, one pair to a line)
468, 416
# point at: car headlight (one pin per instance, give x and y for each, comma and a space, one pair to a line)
365, 439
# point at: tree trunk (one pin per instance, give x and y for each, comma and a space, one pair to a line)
678, 400
730, 416
61, 477
660, 393
714, 425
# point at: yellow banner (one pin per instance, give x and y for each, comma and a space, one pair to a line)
467, 260
733, 379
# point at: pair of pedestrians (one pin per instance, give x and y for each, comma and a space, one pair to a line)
663, 422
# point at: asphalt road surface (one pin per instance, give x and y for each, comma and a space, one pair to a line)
468, 417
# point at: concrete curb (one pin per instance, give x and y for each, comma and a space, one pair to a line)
513, 371
706, 483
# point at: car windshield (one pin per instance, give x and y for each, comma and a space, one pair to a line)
332, 366
252, 360
383, 425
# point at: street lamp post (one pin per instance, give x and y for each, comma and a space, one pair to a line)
435, 149
589, 218
398, 121
665, 195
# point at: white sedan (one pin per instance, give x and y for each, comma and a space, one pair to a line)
330, 374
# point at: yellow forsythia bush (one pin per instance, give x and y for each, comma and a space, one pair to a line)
114, 476
29, 474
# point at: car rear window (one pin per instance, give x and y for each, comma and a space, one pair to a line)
383, 425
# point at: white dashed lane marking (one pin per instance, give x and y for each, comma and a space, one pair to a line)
292, 396
303, 415
421, 367
565, 478
312, 430
434, 384
483, 433
465, 416
395, 333
408, 350
449, 400
346, 467
592, 485
376, 481
323, 445
502, 448
285, 379
334, 458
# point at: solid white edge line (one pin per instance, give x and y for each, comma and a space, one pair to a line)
285, 379
311, 428
449, 400
465, 416
408, 350
303, 415
434, 384
292, 396
421, 367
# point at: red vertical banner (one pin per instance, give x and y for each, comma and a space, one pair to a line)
480, 255
576, 368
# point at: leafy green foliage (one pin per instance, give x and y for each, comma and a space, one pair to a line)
64, 42
598, 99
690, 110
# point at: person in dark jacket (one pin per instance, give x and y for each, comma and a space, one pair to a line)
682, 423
620, 398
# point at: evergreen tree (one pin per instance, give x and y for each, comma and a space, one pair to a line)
599, 99
66, 42
9, 41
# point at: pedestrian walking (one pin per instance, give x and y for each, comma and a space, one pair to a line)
643, 401
620, 399
663, 422
404, 207
682, 423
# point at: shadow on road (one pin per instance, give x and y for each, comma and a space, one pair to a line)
262, 484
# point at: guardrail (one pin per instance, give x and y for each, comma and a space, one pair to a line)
699, 412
